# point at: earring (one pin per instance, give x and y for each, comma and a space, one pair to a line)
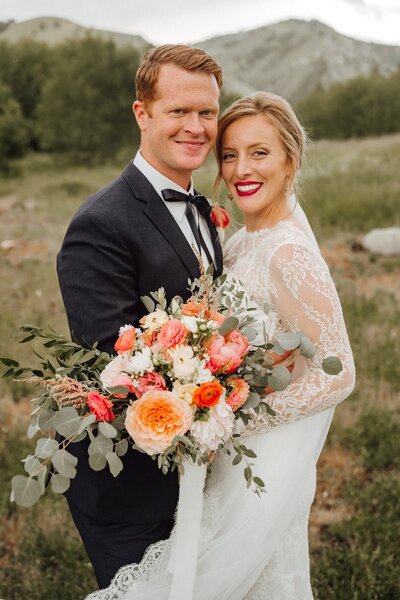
230, 197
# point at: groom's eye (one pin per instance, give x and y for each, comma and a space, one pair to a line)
178, 111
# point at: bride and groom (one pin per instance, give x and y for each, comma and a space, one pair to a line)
137, 235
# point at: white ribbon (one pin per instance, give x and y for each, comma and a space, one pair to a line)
185, 548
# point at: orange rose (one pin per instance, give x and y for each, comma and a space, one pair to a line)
100, 406
172, 333
155, 419
208, 394
126, 341
193, 308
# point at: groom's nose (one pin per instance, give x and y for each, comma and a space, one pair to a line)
193, 124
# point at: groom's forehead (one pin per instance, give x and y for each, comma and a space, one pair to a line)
173, 81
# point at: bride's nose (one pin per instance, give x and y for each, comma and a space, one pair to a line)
243, 168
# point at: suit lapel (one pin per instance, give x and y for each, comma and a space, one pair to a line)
160, 216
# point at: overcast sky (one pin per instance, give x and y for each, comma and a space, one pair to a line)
162, 21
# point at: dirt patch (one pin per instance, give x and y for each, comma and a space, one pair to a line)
7, 203
16, 251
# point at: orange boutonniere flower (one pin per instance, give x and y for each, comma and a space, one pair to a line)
219, 217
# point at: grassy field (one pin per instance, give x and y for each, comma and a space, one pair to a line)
349, 188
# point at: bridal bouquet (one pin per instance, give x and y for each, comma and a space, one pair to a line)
173, 390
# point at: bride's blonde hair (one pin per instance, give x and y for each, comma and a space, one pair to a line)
281, 116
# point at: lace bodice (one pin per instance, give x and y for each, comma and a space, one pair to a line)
282, 267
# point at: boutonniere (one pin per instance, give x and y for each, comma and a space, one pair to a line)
219, 216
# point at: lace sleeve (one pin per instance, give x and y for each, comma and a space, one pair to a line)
305, 298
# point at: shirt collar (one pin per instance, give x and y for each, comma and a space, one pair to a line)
157, 179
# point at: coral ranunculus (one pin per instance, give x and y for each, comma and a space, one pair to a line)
226, 353
208, 394
100, 406
150, 382
126, 341
239, 394
172, 334
155, 419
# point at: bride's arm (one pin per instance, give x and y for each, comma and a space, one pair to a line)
306, 300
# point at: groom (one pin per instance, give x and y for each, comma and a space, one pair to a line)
126, 240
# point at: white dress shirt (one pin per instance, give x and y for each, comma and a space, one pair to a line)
177, 209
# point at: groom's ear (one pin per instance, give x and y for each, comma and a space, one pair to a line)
141, 114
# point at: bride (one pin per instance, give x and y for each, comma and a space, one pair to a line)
255, 547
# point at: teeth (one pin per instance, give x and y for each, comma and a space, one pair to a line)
249, 187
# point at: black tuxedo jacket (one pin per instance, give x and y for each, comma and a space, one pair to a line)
122, 244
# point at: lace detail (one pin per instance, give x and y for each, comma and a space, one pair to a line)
281, 266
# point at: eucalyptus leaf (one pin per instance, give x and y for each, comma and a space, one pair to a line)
279, 378
97, 461
59, 483
65, 463
122, 447
289, 340
100, 445
149, 303
31, 464
115, 463
78, 438
45, 447
252, 401
26, 491
228, 325
250, 333
67, 422
85, 422
33, 428
46, 420
307, 348
332, 365
107, 429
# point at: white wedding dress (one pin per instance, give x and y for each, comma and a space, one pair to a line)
256, 548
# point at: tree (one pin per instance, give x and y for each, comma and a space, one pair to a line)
13, 135
85, 109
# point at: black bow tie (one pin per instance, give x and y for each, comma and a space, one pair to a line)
192, 201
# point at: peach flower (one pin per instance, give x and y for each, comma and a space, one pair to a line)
149, 382
226, 353
214, 315
155, 419
208, 394
126, 341
193, 308
100, 406
123, 381
239, 394
172, 333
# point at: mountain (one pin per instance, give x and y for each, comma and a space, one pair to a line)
54, 30
291, 58
294, 57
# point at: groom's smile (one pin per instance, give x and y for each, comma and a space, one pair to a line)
179, 128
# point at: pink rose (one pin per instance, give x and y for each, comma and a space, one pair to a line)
226, 353
148, 383
100, 406
123, 381
239, 394
172, 333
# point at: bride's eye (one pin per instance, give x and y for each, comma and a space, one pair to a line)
260, 152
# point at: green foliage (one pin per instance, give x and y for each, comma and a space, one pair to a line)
360, 557
376, 437
13, 136
361, 107
85, 107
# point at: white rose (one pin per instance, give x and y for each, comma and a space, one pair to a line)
217, 429
204, 376
118, 365
190, 323
184, 364
125, 328
155, 319
141, 362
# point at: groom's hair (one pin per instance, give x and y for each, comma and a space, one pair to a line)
180, 55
